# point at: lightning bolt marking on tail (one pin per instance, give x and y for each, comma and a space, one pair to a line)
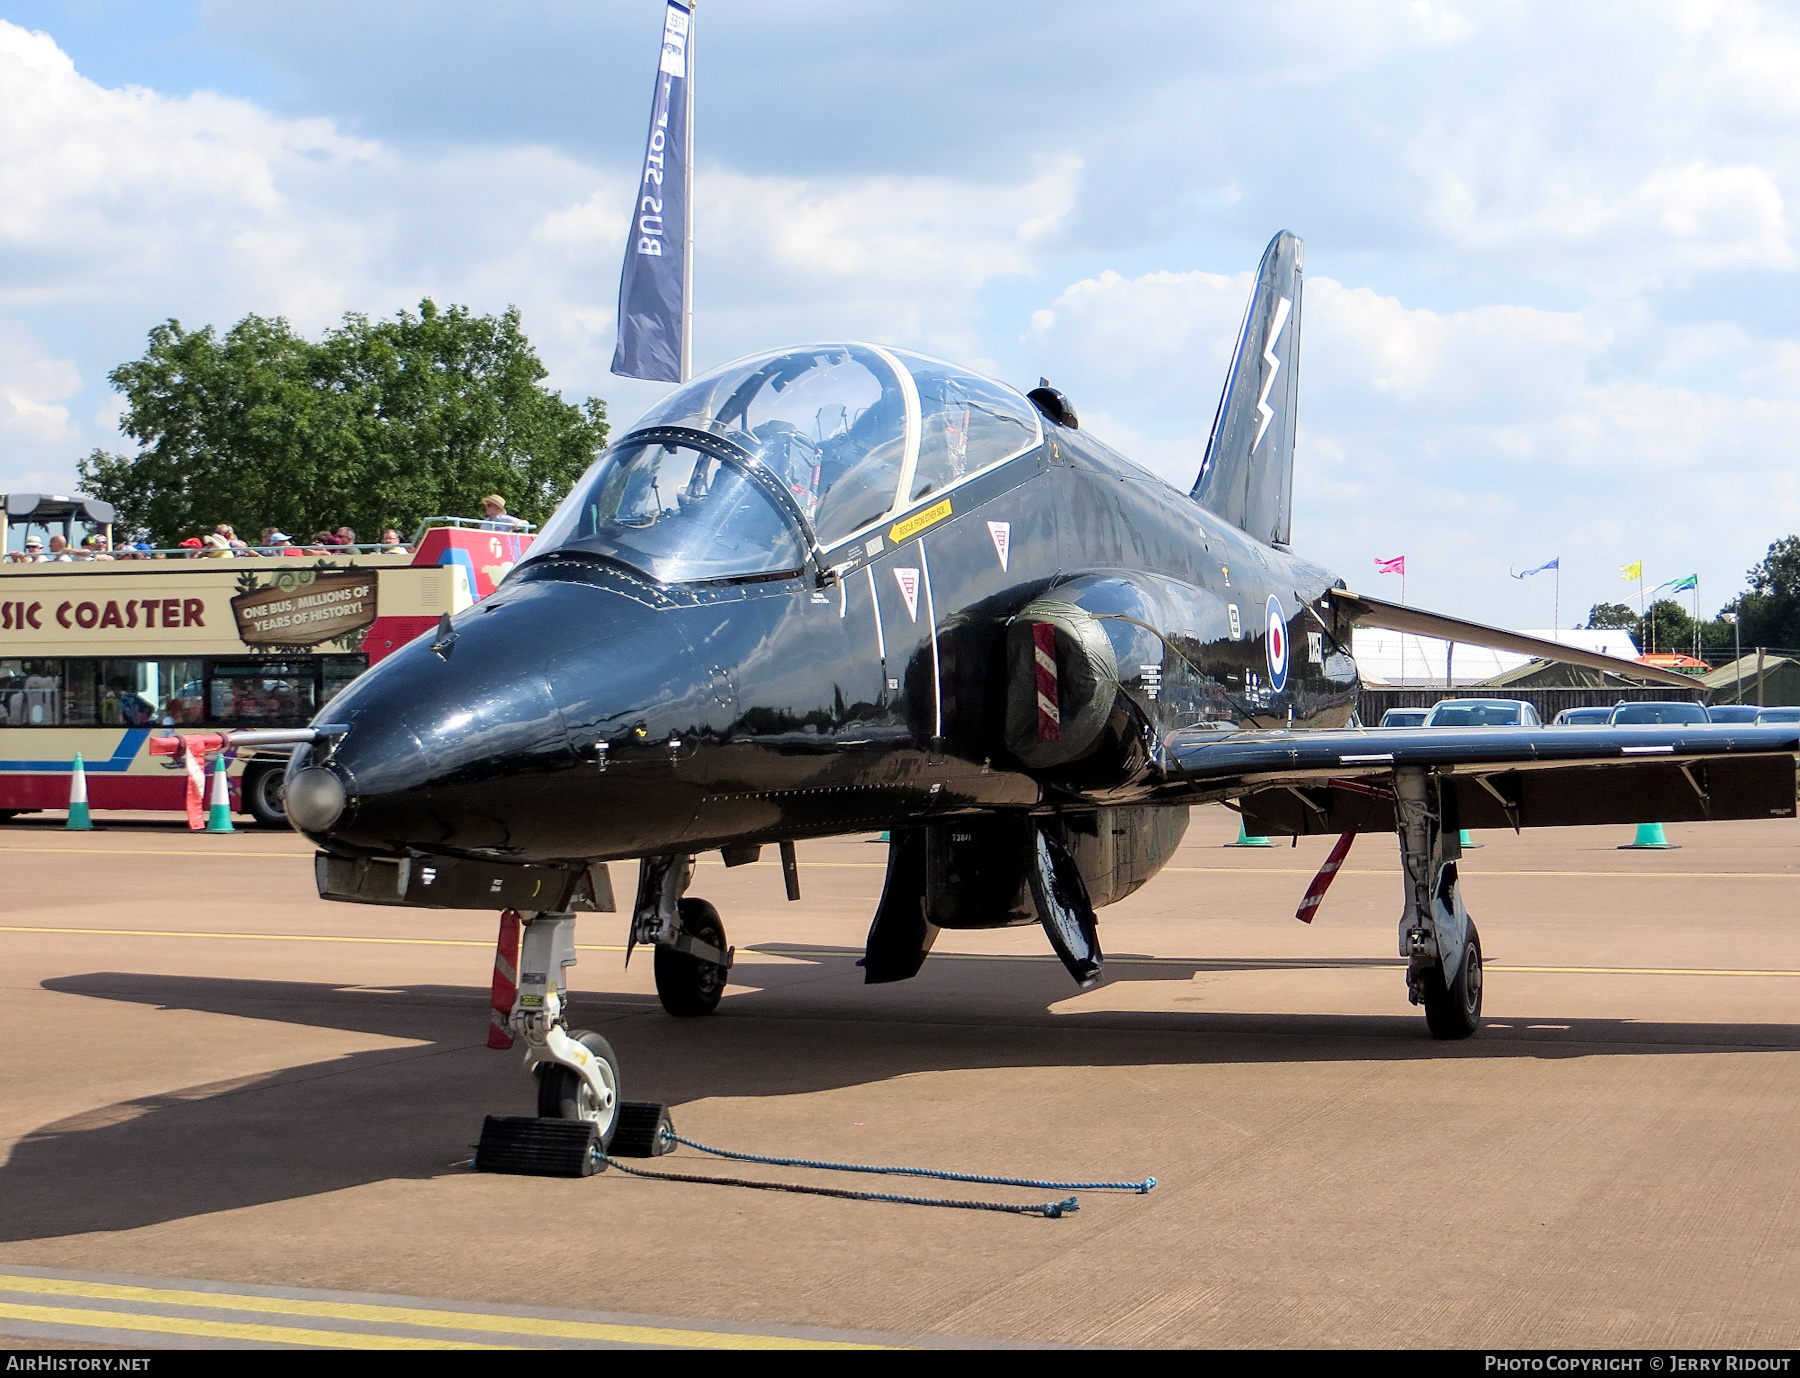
1262, 403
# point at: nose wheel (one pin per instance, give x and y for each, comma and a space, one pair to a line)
564, 1094
689, 977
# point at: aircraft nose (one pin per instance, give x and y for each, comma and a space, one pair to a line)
315, 798
468, 747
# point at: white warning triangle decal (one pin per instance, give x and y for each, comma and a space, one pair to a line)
909, 590
1002, 534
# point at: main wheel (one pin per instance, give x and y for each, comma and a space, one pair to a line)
264, 795
1453, 1010
687, 985
564, 1094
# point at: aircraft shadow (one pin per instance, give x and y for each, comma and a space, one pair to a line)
413, 1112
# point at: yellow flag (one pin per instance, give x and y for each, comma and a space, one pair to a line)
1634, 570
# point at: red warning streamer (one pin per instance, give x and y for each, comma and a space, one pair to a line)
506, 981
1049, 717
192, 750
1322, 882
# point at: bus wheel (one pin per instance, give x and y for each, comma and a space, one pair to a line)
262, 795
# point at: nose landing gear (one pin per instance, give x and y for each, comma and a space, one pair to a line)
577, 1073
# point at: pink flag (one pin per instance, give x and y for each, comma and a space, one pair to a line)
1397, 565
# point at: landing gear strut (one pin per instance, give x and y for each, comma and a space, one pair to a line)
693, 961
1437, 936
577, 1073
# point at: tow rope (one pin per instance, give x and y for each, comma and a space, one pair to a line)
1050, 1210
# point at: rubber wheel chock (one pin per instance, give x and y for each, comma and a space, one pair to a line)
531, 1147
644, 1130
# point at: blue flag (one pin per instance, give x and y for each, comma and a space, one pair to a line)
653, 287
1553, 564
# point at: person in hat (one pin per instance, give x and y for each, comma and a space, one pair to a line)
32, 554
493, 507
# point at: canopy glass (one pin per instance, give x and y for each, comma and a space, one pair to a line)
854, 434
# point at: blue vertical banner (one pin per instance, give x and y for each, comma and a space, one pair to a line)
653, 287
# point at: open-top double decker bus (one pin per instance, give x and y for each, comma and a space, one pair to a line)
97, 656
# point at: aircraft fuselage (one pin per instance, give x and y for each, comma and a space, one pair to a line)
584, 711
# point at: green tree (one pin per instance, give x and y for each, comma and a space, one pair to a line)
1769, 610
1613, 616
1668, 629
378, 424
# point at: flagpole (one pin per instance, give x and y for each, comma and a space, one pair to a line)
1556, 603
687, 252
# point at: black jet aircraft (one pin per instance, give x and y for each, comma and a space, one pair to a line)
843, 588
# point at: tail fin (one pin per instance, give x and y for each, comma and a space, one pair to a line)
1247, 476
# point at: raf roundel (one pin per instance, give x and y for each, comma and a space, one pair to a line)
1276, 643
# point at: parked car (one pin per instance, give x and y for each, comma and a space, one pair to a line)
1732, 712
1658, 711
1483, 713
1769, 715
1582, 717
1404, 717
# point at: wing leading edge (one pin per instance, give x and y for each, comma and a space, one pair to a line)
1395, 617
1517, 777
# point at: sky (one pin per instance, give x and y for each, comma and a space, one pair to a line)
1553, 293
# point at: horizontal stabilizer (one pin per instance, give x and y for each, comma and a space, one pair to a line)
1373, 612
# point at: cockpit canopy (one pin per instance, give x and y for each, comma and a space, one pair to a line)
821, 444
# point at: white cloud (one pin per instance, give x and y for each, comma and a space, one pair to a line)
1465, 439
1555, 270
33, 390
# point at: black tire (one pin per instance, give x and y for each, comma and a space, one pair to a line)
686, 985
7, 815
564, 1094
262, 793
1454, 1010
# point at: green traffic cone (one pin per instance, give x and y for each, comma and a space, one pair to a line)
1245, 840
1649, 839
79, 819
218, 813
1466, 842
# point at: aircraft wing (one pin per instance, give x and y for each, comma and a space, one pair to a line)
1396, 617
1533, 777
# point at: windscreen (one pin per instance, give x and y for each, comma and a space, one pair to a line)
1474, 715
677, 513
856, 432
1658, 712
829, 421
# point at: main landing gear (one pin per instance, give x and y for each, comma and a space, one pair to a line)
693, 960
1437, 936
